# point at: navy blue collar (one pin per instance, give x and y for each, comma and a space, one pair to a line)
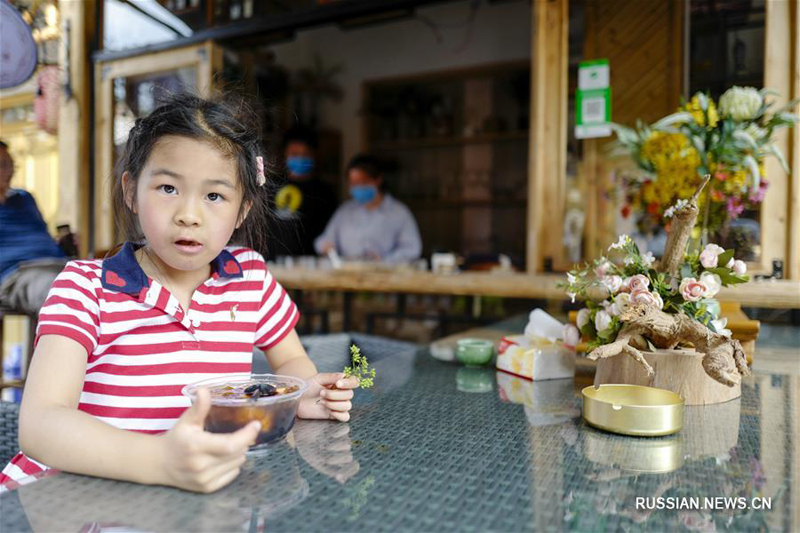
122, 273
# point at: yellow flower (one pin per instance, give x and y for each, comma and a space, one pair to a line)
696, 110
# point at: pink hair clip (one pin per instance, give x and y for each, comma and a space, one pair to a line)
262, 179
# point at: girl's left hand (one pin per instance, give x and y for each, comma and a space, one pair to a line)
322, 402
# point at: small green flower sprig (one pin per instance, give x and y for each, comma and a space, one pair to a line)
360, 368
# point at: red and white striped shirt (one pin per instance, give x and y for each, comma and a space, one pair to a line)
143, 347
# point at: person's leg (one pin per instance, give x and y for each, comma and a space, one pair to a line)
26, 289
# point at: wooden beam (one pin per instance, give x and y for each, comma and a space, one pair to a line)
770, 294
548, 140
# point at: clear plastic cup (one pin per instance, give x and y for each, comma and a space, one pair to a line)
232, 409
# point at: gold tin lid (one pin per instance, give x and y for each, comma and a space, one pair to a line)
633, 410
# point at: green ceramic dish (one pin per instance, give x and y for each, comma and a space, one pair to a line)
474, 352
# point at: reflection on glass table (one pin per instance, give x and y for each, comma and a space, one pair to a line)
424, 455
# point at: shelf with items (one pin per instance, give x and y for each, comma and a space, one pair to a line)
435, 142
498, 203
456, 144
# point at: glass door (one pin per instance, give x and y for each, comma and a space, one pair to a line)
130, 88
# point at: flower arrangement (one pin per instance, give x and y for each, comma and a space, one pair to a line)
634, 305
610, 289
728, 140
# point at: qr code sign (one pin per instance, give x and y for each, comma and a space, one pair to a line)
594, 110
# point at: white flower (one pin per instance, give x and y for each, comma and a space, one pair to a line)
622, 302
755, 132
712, 282
648, 259
571, 278
602, 321
730, 263
623, 240
584, 315
680, 204
572, 296
709, 255
612, 283
571, 335
719, 327
739, 267
740, 103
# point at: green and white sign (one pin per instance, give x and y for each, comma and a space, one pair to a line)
593, 100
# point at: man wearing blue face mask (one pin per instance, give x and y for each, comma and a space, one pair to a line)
373, 224
304, 203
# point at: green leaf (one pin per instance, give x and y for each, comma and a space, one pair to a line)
669, 120
745, 138
775, 151
752, 165
728, 276
724, 257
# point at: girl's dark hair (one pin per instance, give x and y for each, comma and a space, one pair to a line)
228, 123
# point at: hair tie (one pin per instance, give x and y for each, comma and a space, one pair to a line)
261, 179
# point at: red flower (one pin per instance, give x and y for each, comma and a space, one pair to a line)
652, 208
626, 211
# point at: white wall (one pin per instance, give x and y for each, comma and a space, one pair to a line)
499, 32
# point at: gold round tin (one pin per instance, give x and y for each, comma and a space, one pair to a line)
633, 410
639, 456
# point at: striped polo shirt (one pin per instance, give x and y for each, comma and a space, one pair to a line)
143, 347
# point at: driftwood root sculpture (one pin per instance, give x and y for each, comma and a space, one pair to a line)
724, 358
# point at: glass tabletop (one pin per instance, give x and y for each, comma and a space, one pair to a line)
436, 446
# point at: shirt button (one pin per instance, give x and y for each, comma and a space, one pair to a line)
195, 323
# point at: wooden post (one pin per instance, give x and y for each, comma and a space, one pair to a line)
548, 139
780, 218
73, 119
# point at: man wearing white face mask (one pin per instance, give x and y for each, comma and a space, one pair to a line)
373, 224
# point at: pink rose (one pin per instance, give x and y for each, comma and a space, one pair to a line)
739, 267
639, 282
692, 290
602, 269
612, 283
645, 297
709, 257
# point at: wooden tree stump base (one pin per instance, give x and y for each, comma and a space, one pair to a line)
679, 371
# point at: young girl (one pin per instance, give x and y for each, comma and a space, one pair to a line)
118, 338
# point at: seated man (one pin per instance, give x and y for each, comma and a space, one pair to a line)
29, 257
373, 225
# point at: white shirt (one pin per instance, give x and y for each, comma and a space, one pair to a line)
389, 231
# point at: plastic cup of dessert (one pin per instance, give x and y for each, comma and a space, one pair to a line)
274, 405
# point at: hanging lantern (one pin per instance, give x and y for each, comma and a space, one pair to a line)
45, 105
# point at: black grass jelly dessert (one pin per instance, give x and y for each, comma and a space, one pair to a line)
238, 400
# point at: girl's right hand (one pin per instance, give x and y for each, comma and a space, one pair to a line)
196, 460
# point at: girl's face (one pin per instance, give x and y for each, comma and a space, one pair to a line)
187, 201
